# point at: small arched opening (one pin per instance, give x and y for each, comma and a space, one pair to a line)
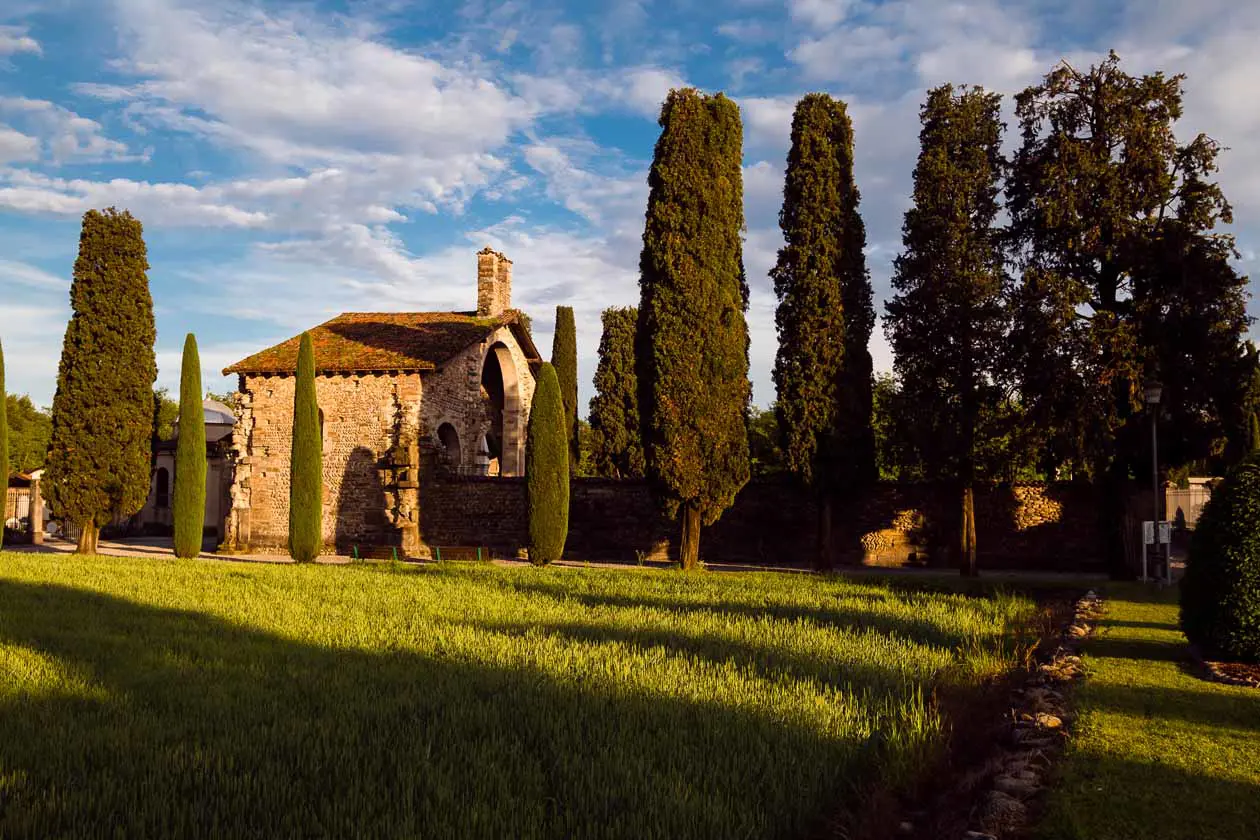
449, 440
501, 397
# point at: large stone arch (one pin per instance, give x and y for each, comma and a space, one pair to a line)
501, 393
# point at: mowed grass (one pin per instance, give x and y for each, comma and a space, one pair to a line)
161, 698
1158, 754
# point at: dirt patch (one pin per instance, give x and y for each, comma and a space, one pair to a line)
1005, 738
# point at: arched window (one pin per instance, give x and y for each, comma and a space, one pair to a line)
162, 489
449, 438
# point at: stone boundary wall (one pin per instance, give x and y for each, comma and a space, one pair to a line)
1023, 526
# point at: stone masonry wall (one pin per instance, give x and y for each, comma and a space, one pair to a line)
371, 423
453, 395
364, 417
772, 522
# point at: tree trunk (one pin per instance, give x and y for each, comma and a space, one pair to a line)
967, 542
689, 550
824, 561
87, 538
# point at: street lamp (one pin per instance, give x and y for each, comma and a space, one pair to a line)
1154, 390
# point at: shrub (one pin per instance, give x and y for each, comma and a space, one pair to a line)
547, 471
1220, 593
190, 457
306, 482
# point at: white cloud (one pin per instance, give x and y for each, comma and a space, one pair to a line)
17, 147
14, 40
63, 135
819, 13
24, 274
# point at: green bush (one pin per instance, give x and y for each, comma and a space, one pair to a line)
1220, 593
547, 471
306, 481
190, 457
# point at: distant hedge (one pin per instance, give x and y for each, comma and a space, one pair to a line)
1220, 593
547, 471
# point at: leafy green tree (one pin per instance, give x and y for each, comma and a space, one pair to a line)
190, 457
564, 360
547, 470
617, 442
764, 451
1220, 592
30, 429
825, 315
4, 443
946, 322
691, 343
227, 398
102, 424
306, 464
1123, 277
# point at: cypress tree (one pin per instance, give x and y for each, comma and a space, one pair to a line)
547, 471
190, 457
946, 322
1255, 433
306, 480
98, 461
564, 360
825, 315
617, 450
4, 440
691, 344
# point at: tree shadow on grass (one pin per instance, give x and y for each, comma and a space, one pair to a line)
1239, 709
873, 683
919, 630
177, 724
1104, 796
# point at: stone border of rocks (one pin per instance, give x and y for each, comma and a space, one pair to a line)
1215, 671
1037, 732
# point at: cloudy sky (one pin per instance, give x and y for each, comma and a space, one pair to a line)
294, 160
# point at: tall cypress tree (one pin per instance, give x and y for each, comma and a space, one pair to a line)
617, 443
190, 457
691, 344
825, 316
564, 360
4, 440
306, 479
547, 471
946, 322
98, 462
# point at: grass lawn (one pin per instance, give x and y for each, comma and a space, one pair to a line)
161, 698
1158, 752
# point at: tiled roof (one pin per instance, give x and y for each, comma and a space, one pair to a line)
413, 341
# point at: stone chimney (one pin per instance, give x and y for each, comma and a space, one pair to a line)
494, 283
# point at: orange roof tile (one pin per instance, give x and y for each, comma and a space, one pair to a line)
414, 341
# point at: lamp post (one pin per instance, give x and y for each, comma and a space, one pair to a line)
1154, 390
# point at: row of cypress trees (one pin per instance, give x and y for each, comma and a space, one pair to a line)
672, 389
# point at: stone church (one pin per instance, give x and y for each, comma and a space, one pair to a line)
399, 393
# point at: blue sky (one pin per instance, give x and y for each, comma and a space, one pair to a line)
294, 160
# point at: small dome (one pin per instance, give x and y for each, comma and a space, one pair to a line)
218, 413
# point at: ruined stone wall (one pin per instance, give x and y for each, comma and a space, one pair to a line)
453, 395
372, 425
365, 416
772, 522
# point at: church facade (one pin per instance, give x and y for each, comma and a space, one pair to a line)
398, 393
